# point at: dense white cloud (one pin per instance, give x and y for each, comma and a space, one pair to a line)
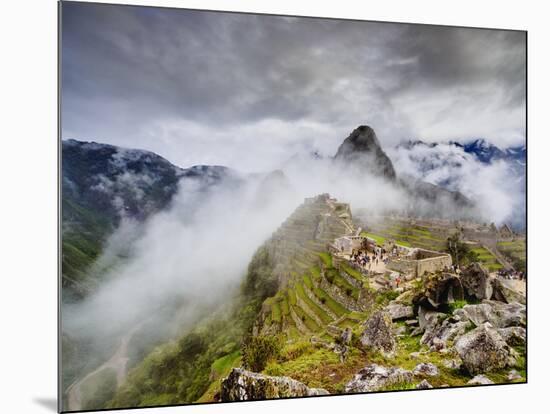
247, 91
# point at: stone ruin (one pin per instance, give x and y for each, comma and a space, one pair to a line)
420, 261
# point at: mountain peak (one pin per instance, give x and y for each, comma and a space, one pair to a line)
362, 150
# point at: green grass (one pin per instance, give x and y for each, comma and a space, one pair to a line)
377, 238
345, 286
275, 312
326, 258
352, 272
308, 322
222, 365
307, 281
329, 302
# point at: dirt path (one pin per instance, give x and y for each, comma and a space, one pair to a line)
117, 362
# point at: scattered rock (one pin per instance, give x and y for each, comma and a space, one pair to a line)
425, 370
513, 375
400, 331
415, 355
483, 350
499, 314
513, 335
424, 385
417, 331
428, 319
411, 322
452, 363
438, 335
375, 377
346, 336
399, 311
480, 380
477, 282
242, 385
377, 334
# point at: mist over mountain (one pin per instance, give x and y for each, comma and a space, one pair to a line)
491, 176
106, 189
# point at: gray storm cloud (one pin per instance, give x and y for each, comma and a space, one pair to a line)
170, 80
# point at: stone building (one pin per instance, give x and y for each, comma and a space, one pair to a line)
420, 261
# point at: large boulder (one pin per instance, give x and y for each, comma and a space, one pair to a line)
375, 377
508, 291
439, 289
483, 350
477, 282
399, 311
499, 314
243, 385
377, 334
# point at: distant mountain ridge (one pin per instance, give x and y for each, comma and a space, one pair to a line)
103, 184
483, 150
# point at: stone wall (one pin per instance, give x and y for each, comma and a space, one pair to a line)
433, 264
430, 262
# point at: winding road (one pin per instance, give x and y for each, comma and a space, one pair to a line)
117, 362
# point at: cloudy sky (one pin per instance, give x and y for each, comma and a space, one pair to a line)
251, 91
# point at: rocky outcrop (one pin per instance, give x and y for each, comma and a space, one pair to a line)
499, 314
377, 334
398, 311
362, 151
477, 282
375, 377
439, 289
483, 350
242, 385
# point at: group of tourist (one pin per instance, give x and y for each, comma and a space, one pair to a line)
511, 274
366, 259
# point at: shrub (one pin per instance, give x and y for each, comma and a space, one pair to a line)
258, 351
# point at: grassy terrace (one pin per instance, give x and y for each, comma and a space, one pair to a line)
329, 302
406, 235
326, 258
515, 249
321, 314
308, 322
487, 259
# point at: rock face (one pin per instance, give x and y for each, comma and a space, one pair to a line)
375, 377
476, 282
242, 385
361, 150
399, 311
377, 333
483, 350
